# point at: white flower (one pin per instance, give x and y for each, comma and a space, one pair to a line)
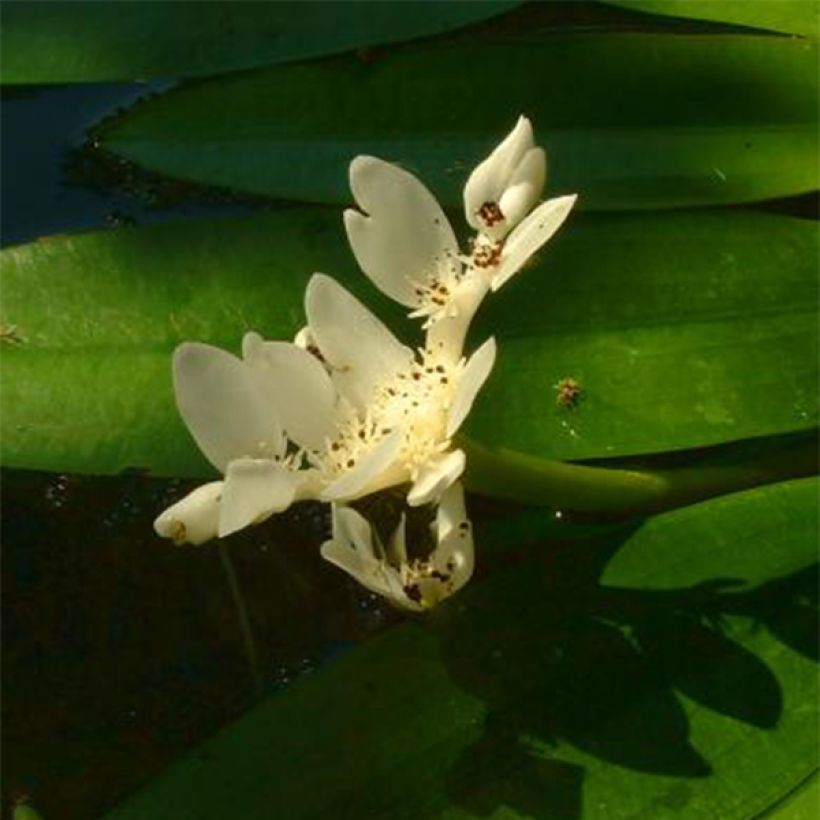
505, 186
344, 412
414, 585
346, 409
404, 243
368, 412
233, 412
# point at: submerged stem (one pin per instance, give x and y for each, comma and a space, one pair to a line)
528, 479
242, 614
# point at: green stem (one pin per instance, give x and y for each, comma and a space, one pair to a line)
242, 613
528, 479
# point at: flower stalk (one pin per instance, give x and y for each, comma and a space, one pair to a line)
527, 479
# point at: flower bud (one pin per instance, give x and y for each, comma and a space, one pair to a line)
502, 190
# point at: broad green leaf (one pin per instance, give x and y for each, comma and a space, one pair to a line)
541, 692
804, 804
47, 42
788, 16
739, 540
629, 120
683, 330
697, 328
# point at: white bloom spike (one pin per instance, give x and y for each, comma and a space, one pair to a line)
347, 409
416, 585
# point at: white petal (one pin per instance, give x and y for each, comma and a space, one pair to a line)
397, 546
455, 553
397, 594
368, 474
351, 550
530, 235
367, 574
304, 338
406, 238
488, 180
436, 477
353, 530
222, 405
470, 382
251, 342
451, 512
358, 347
310, 486
300, 389
254, 489
194, 519
525, 186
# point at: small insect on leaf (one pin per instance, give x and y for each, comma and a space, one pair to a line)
569, 392
10, 335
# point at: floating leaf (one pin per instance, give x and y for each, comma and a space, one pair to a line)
683, 330
535, 692
48, 42
629, 120
803, 804
788, 16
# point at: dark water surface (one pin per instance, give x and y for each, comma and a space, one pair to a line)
53, 183
122, 652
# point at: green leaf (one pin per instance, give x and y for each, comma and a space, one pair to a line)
629, 120
683, 329
788, 16
804, 804
48, 42
541, 692
685, 548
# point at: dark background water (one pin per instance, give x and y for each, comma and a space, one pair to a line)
53, 182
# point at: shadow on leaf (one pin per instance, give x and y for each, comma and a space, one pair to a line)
562, 661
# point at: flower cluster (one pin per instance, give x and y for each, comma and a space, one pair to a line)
346, 410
